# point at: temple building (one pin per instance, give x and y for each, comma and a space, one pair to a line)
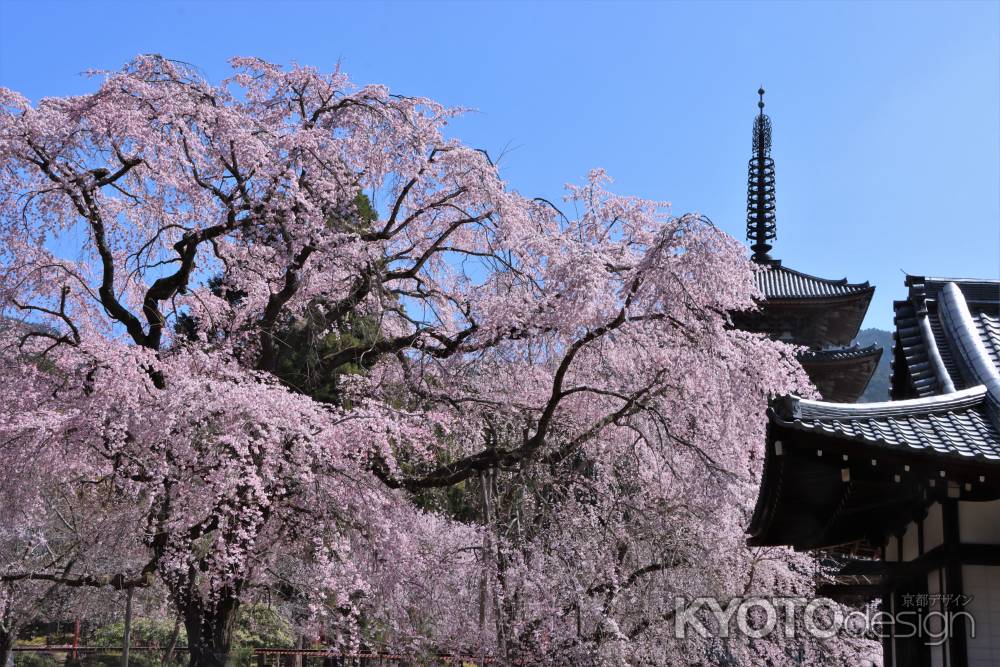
905, 493
820, 314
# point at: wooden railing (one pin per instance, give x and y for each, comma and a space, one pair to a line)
280, 657
287, 657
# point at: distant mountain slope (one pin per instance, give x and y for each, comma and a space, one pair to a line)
878, 388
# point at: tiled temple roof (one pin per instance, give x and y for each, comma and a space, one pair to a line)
955, 424
779, 282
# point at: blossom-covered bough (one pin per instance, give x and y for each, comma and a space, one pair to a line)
555, 431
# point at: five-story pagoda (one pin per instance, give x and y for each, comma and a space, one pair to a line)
819, 314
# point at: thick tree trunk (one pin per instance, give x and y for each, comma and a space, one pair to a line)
8, 630
8, 633
209, 628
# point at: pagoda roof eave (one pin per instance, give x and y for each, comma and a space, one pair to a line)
853, 297
843, 355
780, 283
841, 374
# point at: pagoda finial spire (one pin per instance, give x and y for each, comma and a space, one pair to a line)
760, 188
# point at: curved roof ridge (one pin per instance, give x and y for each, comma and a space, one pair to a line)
979, 291
913, 373
811, 409
956, 316
971, 281
934, 354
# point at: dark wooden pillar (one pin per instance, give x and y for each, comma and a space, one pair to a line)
958, 651
886, 606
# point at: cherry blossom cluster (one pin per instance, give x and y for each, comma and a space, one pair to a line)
554, 430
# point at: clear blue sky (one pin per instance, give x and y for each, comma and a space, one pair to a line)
886, 116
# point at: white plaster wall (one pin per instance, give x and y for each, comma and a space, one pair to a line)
891, 550
982, 582
933, 528
911, 542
